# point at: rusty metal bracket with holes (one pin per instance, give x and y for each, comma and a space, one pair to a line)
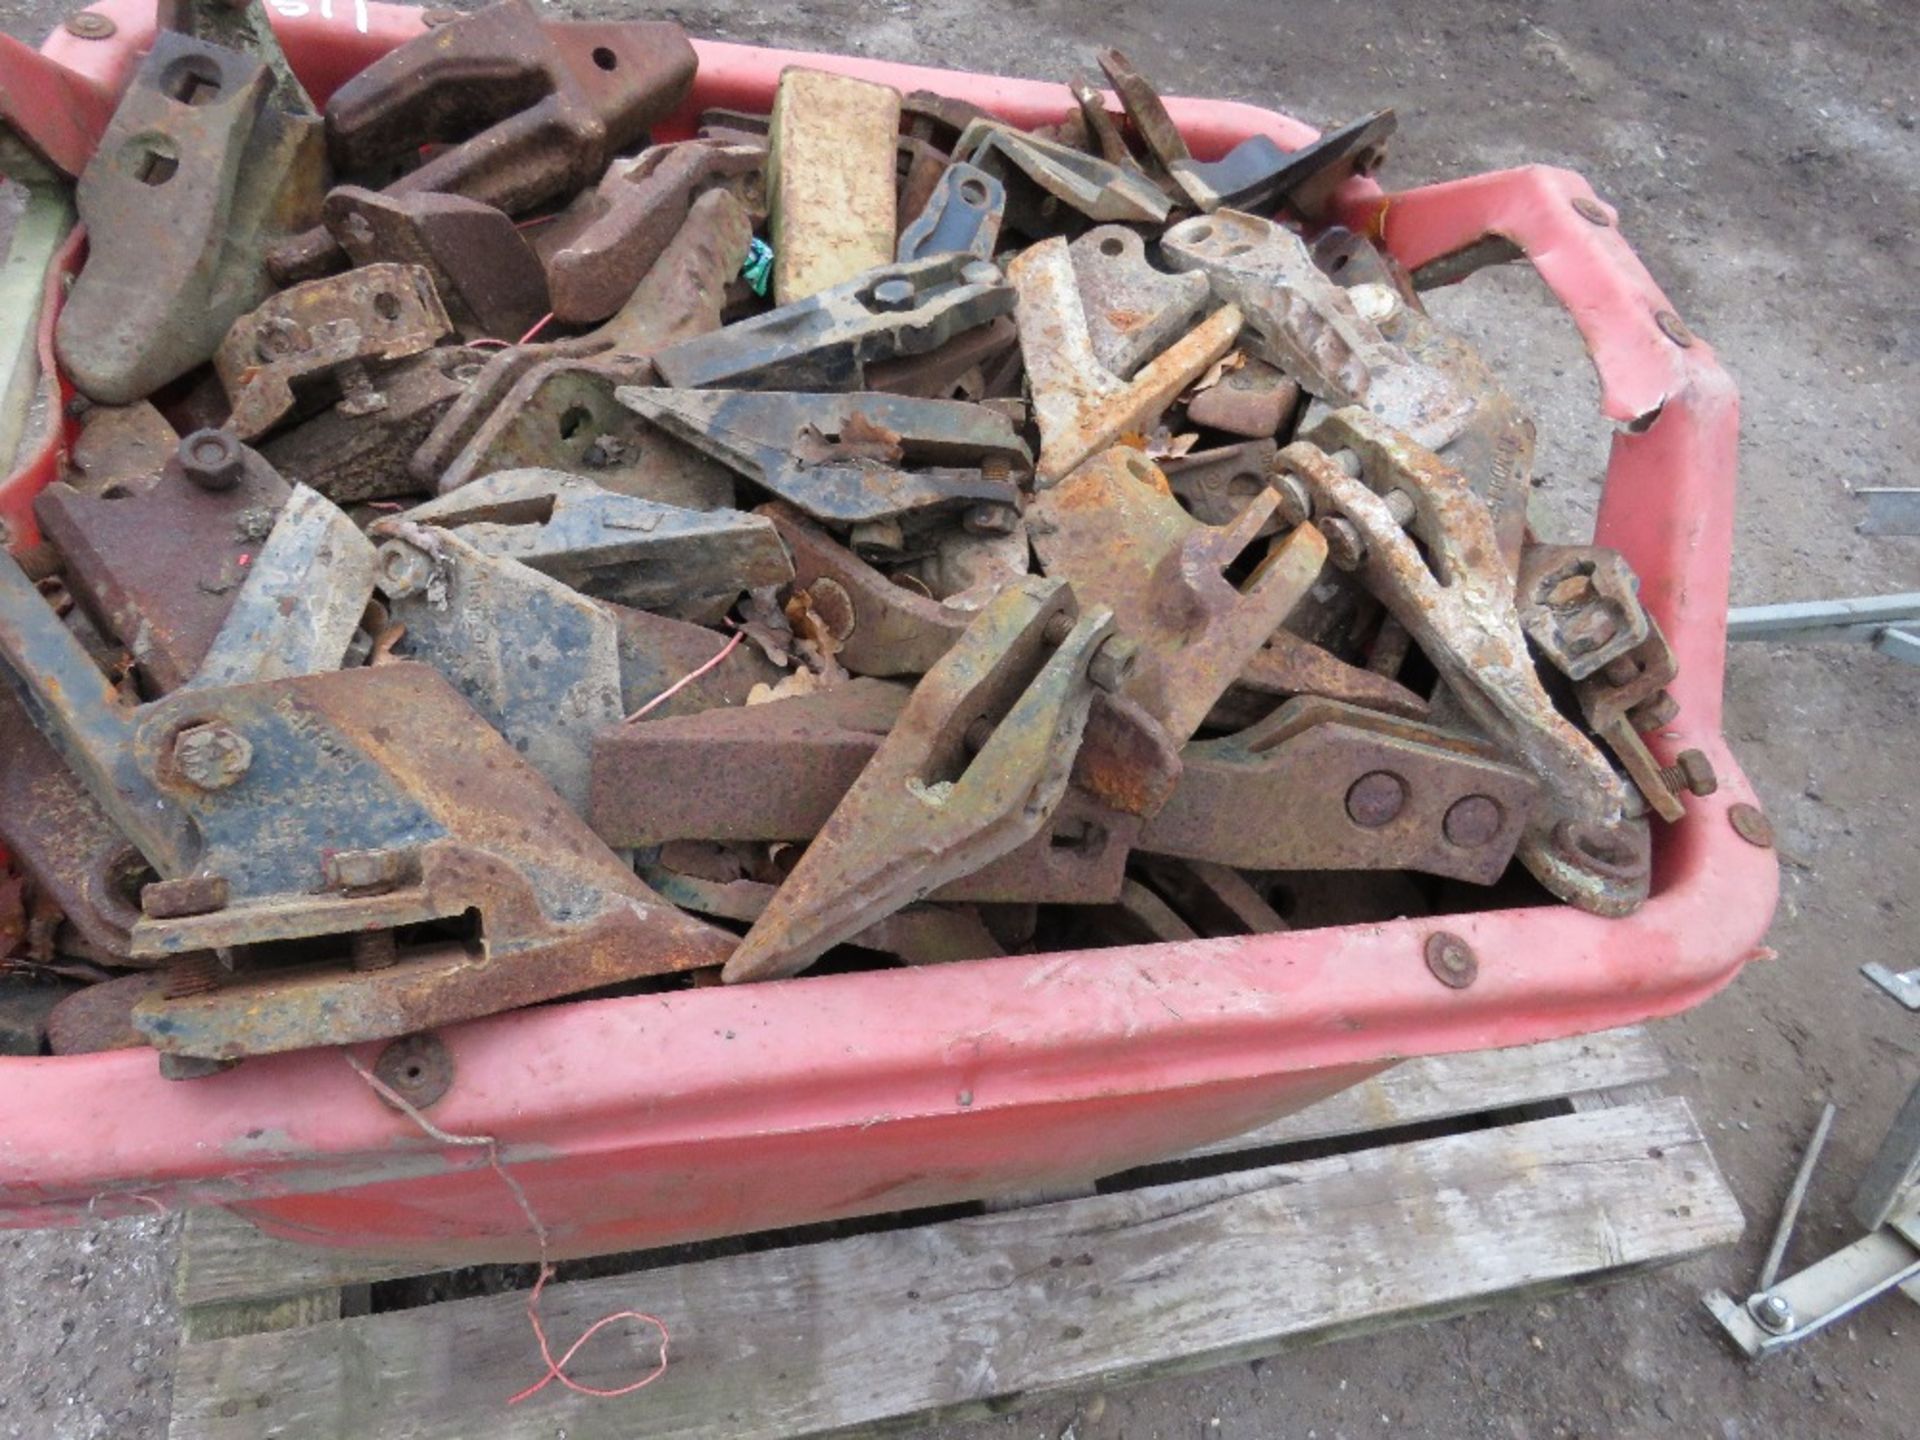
196, 174
1081, 406
484, 272
527, 109
1217, 485
1288, 665
157, 564
1433, 560
1299, 320
301, 602
826, 341
914, 934
352, 458
1628, 695
961, 216
1114, 531
537, 660
1057, 177
1350, 789
1133, 310
315, 342
879, 627
854, 460
688, 564
512, 416
773, 771
975, 767
370, 807
599, 248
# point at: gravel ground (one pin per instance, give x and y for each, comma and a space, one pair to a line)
1763, 157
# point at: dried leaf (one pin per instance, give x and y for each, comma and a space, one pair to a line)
1218, 371
800, 682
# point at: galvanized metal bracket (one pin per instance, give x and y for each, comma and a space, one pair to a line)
961, 217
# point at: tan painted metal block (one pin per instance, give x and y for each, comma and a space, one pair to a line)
831, 175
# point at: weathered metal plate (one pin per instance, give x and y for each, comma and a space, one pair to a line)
830, 173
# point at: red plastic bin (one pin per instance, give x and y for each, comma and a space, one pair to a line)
642, 1121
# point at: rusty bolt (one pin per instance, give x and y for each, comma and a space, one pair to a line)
1345, 546
417, 1068
1656, 710
212, 459
404, 569
997, 468
981, 272
279, 337
1751, 826
1059, 626
211, 757
1112, 663
1473, 821
893, 295
194, 974
1622, 670
1590, 210
1588, 631
1674, 328
1296, 505
1690, 774
374, 950
191, 895
89, 26
371, 872
1451, 960
1376, 799
990, 519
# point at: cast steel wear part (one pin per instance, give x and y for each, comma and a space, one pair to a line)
1299, 320
773, 771
120, 447
546, 405
538, 661
971, 366
852, 460
524, 109
1289, 665
599, 248
975, 767
961, 217
1058, 177
1114, 531
1133, 310
1628, 696
301, 602
826, 341
1081, 406
483, 271
313, 344
195, 176
1357, 790
1252, 399
158, 564
830, 158
687, 564
1580, 605
1456, 599
1216, 485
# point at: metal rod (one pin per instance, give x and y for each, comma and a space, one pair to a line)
1790, 1212
1861, 619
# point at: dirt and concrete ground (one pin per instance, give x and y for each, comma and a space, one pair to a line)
1763, 157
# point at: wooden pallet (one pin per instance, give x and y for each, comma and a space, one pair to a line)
1432, 1189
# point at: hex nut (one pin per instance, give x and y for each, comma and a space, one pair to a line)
404, 569
212, 459
211, 756
1112, 663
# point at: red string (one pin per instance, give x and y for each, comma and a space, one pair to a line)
688, 679
482, 344
538, 326
556, 1369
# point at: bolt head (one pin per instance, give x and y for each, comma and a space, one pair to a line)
211, 756
89, 26
1451, 960
893, 295
1772, 1312
1751, 825
1653, 712
1296, 505
404, 569
1696, 772
990, 519
1376, 799
1590, 210
212, 459
1473, 821
1112, 663
1346, 547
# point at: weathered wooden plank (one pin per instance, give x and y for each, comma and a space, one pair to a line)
225, 1260
854, 1333
1438, 1087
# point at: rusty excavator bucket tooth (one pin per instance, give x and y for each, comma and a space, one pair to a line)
1113, 530
831, 145
195, 176
1044, 177
975, 767
372, 856
523, 110
688, 564
854, 460
827, 340
1081, 406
